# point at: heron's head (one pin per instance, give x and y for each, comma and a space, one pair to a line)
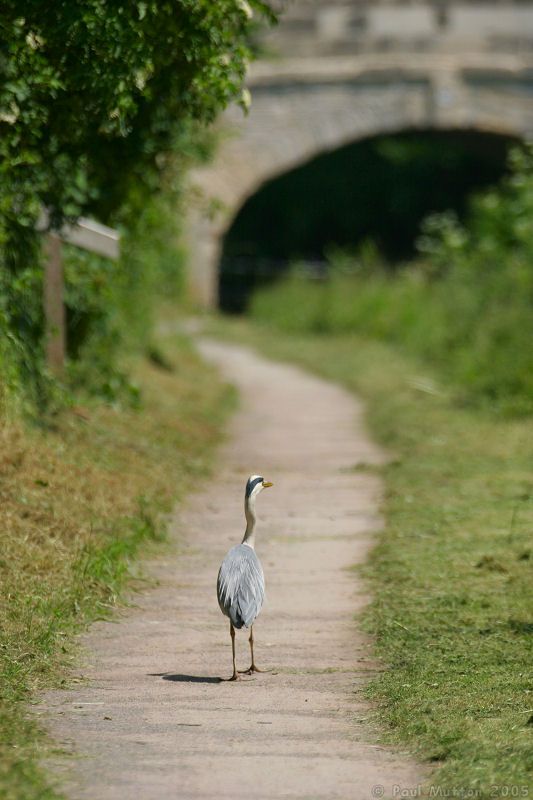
254, 485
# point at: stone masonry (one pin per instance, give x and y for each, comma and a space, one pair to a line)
335, 72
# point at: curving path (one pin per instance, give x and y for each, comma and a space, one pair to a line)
153, 721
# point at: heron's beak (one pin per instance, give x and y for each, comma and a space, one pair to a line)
267, 484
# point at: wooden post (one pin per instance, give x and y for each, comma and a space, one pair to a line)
54, 309
89, 235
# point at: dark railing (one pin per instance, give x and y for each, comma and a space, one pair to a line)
240, 276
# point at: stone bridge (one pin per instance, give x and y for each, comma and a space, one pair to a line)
340, 71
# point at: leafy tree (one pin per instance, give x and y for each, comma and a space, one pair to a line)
94, 96
94, 91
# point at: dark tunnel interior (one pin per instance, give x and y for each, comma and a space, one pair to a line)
377, 189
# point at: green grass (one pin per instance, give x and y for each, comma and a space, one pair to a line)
475, 328
452, 572
80, 498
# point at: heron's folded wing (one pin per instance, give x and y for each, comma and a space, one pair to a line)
241, 586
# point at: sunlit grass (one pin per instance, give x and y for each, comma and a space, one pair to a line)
452, 573
475, 331
78, 498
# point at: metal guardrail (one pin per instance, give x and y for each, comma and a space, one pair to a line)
87, 234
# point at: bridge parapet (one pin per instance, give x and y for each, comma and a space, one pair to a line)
318, 28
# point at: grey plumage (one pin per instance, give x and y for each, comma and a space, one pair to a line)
241, 586
240, 582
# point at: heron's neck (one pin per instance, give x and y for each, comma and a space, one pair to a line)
249, 512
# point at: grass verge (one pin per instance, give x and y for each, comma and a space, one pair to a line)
78, 498
452, 572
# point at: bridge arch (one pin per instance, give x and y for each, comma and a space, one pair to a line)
306, 107
371, 195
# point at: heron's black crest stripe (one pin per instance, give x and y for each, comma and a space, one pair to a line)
250, 486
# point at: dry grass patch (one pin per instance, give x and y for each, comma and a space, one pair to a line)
77, 499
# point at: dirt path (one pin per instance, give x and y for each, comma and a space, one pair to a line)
154, 721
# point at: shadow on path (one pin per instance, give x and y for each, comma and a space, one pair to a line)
169, 676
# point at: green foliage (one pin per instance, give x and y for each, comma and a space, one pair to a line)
94, 92
21, 330
96, 100
466, 305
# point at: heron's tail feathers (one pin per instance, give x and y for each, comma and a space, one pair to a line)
242, 617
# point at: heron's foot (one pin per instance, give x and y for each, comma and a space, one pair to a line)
234, 677
252, 669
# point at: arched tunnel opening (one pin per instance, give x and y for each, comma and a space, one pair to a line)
378, 189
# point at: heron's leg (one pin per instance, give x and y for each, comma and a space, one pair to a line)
235, 675
253, 667
251, 640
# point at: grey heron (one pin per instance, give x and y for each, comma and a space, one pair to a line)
240, 582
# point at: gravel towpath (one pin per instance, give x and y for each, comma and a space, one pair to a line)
153, 720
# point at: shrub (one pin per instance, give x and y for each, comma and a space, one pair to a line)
96, 100
465, 305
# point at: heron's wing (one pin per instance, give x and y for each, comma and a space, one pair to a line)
241, 586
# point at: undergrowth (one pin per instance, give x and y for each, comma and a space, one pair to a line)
465, 306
